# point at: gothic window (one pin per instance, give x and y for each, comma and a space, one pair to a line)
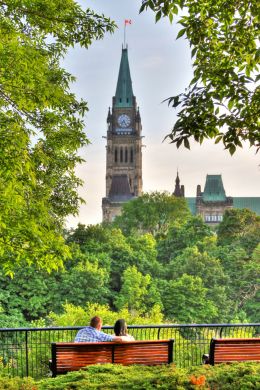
121, 155
131, 155
126, 155
115, 155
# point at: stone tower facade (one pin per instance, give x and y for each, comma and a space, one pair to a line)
124, 146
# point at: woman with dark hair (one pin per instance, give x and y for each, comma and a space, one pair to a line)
120, 329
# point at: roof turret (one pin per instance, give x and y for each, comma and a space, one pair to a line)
179, 190
214, 189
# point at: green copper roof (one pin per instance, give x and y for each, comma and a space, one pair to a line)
252, 204
214, 190
124, 91
192, 205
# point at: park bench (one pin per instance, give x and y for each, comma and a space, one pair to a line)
73, 356
233, 350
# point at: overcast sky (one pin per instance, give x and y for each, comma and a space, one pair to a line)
160, 67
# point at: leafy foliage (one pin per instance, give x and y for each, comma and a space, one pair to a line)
187, 274
80, 316
244, 276
209, 269
240, 226
41, 126
33, 293
133, 293
151, 213
183, 235
222, 99
108, 376
185, 300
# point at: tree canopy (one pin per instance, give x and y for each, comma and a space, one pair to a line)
152, 213
222, 101
41, 126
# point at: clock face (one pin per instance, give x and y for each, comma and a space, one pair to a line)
123, 120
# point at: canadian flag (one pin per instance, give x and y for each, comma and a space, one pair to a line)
128, 21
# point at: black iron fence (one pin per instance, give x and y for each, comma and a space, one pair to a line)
26, 351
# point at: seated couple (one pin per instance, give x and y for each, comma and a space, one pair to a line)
94, 334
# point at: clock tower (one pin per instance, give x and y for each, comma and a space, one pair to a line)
124, 146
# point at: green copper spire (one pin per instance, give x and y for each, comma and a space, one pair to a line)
214, 189
124, 91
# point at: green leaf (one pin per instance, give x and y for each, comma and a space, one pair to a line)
158, 16
218, 139
181, 33
186, 143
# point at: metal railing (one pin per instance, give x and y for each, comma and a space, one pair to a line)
26, 351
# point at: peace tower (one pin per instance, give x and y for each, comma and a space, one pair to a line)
124, 146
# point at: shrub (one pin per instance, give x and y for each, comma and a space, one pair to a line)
242, 376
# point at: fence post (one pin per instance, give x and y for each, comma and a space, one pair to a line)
26, 353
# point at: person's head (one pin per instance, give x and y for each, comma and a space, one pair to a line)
120, 328
96, 322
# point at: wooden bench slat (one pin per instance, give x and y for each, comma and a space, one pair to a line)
240, 346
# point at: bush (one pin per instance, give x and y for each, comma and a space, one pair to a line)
242, 376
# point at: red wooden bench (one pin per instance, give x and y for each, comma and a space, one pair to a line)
233, 350
73, 356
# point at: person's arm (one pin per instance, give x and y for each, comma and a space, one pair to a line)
118, 339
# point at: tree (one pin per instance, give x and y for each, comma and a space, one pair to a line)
185, 300
145, 254
243, 271
209, 269
86, 282
33, 293
222, 99
41, 126
138, 292
184, 235
115, 252
78, 316
240, 226
151, 213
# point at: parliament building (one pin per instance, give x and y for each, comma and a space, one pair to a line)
124, 162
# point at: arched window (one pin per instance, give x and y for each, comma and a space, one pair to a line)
126, 155
121, 155
131, 155
115, 155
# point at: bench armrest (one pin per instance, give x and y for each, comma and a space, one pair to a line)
205, 358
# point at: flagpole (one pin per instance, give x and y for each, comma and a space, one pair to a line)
124, 34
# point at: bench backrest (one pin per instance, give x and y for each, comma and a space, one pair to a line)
234, 350
73, 356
